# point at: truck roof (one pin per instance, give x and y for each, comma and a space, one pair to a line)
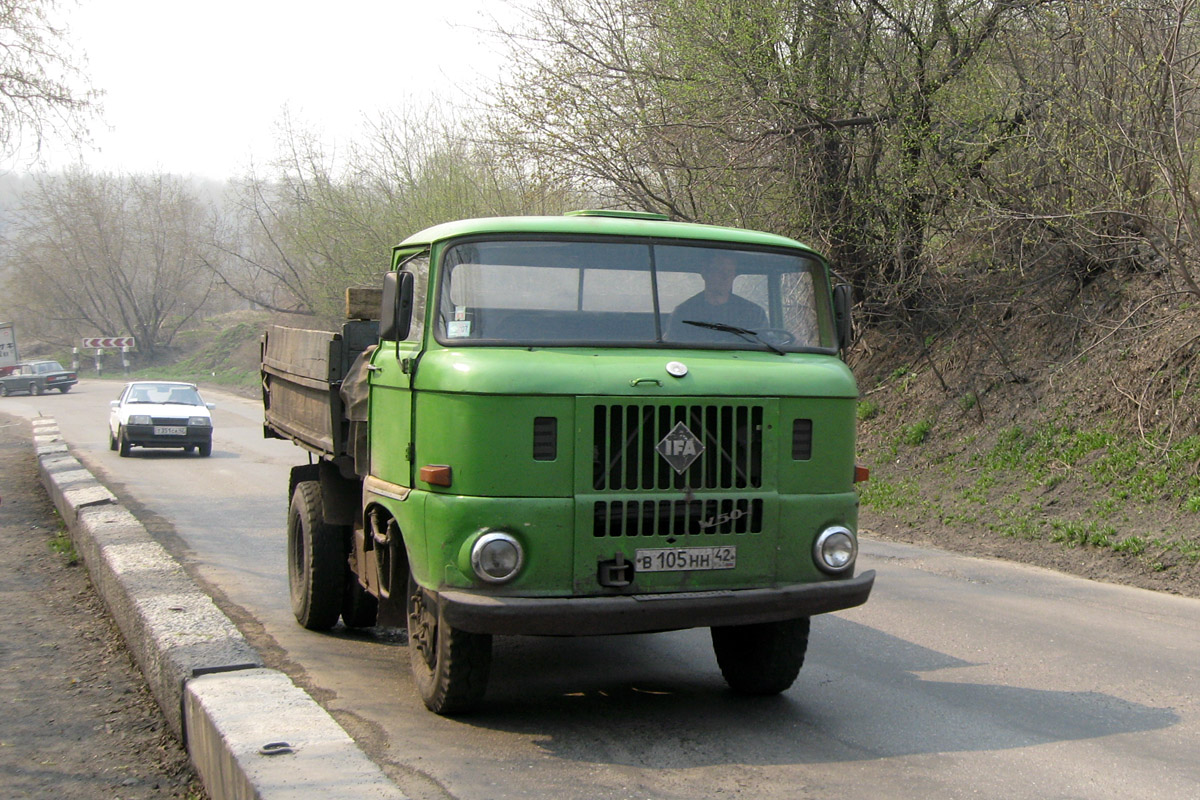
602, 223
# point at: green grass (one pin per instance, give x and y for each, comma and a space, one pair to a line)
916, 433
61, 543
213, 363
1008, 488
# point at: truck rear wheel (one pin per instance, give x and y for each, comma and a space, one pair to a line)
316, 560
450, 667
761, 659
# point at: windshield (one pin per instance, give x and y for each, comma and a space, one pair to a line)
618, 293
164, 393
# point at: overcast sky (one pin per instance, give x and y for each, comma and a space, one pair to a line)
199, 87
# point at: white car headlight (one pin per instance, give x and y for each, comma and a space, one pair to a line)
199, 422
140, 419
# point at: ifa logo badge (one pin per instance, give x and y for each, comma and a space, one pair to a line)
680, 447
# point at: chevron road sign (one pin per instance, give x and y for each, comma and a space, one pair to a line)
109, 341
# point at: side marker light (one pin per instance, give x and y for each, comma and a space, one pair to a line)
436, 474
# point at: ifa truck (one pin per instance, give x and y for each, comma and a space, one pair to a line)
598, 423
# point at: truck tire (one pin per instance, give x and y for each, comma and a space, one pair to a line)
316, 560
450, 667
761, 659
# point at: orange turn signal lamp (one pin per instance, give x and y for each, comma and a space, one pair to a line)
436, 474
861, 474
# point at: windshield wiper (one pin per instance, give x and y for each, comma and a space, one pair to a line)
745, 333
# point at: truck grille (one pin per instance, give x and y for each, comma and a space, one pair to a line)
677, 517
625, 436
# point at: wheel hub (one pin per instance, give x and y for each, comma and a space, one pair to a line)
422, 627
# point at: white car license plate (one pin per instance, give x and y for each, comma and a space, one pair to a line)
681, 559
170, 430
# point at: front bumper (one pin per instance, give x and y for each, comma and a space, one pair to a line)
593, 616
143, 436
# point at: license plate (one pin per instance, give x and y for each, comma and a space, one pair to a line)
170, 430
683, 559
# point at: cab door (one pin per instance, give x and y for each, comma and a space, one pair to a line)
391, 402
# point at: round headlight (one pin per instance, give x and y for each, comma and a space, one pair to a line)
835, 549
496, 557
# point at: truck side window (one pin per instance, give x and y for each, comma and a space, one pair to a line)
419, 267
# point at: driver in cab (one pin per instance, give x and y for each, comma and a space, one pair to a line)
716, 304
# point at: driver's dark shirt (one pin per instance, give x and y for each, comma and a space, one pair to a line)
735, 311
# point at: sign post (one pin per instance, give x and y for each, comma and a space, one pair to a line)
8, 346
122, 343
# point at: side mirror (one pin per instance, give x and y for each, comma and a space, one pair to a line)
114, 403
842, 301
210, 406
395, 313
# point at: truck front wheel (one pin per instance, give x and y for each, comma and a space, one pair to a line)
450, 667
761, 659
316, 560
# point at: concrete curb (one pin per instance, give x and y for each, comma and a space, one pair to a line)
249, 731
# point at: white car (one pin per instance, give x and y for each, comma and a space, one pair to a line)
160, 414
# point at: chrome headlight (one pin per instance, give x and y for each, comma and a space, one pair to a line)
496, 557
140, 419
199, 422
835, 549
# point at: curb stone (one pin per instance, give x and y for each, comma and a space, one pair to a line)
249, 731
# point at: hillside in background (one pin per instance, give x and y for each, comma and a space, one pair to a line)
1056, 423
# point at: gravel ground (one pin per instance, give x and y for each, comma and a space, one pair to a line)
76, 717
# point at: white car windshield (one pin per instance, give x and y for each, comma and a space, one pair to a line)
163, 393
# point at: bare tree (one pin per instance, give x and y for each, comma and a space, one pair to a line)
323, 220
106, 255
37, 76
849, 122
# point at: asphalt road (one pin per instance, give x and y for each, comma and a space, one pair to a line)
960, 678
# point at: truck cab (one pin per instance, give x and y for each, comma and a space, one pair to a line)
598, 423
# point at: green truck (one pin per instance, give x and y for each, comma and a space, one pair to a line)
599, 423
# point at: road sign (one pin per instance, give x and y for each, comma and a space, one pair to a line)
109, 341
8, 345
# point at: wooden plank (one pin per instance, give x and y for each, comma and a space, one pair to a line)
363, 302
